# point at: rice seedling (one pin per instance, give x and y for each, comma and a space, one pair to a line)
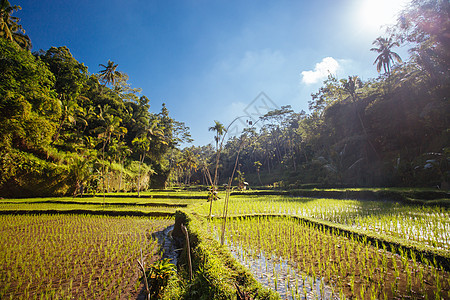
352, 267
79, 256
418, 225
36, 207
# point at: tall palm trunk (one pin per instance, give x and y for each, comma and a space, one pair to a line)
120, 175
259, 177
141, 161
103, 172
363, 127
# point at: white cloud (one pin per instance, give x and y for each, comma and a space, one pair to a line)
327, 66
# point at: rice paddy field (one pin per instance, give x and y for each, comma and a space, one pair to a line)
159, 204
77, 248
301, 261
80, 251
423, 226
74, 256
36, 207
111, 199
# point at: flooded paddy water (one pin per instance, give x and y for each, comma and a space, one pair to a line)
300, 261
428, 226
279, 275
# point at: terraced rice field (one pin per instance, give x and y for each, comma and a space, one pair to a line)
422, 226
74, 256
301, 247
299, 260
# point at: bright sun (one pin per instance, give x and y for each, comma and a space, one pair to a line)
373, 14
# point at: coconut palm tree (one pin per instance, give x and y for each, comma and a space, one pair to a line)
143, 142
386, 56
9, 25
257, 164
219, 129
189, 162
79, 172
110, 127
350, 85
109, 75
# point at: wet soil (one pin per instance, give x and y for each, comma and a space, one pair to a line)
171, 246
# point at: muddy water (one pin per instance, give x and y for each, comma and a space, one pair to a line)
278, 275
170, 246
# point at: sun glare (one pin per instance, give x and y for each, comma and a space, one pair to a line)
374, 14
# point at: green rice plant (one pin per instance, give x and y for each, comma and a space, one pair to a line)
428, 226
275, 279
64, 243
362, 291
326, 254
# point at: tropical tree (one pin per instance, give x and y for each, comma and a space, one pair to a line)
80, 172
120, 151
330, 92
9, 25
142, 144
386, 55
109, 75
258, 165
240, 179
70, 77
189, 161
29, 110
350, 85
425, 25
219, 129
110, 127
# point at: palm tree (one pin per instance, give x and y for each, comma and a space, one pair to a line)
350, 85
69, 112
386, 56
109, 75
79, 171
258, 165
219, 129
143, 145
111, 127
9, 25
143, 141
189, 162
120, 150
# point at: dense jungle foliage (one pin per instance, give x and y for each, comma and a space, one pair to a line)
64, 130
388, 131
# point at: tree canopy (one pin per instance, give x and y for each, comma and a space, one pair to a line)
59, 120
64, 130
387, 131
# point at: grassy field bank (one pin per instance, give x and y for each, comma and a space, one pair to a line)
216, 274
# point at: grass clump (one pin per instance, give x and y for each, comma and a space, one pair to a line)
216, 274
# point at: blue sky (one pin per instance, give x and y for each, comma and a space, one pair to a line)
208, 60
